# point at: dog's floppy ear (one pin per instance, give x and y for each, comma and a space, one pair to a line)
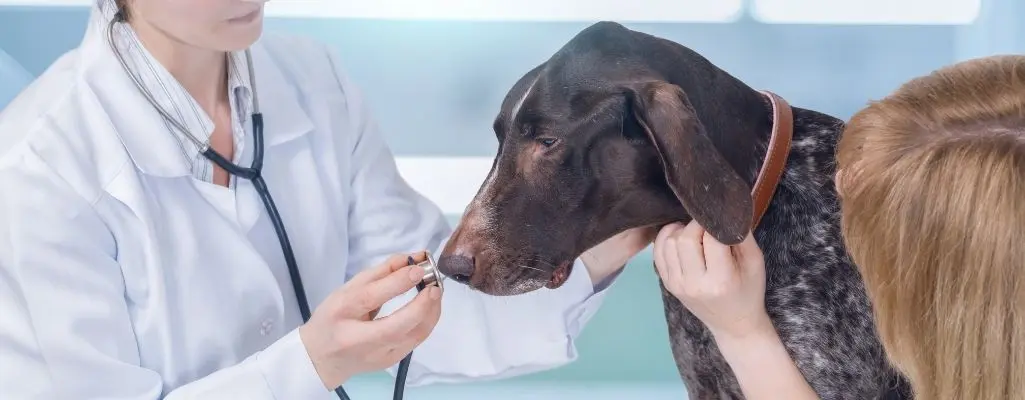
706, 185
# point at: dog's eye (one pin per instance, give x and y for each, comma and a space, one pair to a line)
548, 142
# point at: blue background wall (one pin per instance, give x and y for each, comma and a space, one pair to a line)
436, 85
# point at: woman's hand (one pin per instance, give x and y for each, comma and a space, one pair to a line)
723, 286
609, 256
343, 338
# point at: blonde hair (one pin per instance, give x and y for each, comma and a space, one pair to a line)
932, 182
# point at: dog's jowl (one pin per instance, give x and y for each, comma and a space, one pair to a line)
620, 129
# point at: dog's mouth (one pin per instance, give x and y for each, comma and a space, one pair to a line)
518, 277
559, 276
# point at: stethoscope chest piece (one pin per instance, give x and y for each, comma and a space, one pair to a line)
431, 274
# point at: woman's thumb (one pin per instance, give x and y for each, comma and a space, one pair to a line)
746, 251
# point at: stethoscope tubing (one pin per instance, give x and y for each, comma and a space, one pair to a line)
255, 175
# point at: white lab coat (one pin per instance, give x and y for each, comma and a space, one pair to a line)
122, 277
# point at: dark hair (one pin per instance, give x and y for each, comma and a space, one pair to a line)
121, 15
122, 10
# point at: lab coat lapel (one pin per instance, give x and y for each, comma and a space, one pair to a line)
284, 121
279, 98
132, 118
155, 150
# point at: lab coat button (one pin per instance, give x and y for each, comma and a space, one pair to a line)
265, 328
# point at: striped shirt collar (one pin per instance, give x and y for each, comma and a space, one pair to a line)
172, 97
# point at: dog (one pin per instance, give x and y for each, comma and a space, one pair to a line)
621, 129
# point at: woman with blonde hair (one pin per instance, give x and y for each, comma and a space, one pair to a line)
932, 181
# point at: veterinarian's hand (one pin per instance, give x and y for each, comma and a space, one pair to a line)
343, 338
611, 255
724, 286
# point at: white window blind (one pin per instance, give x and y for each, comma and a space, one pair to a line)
497, 10
880, 12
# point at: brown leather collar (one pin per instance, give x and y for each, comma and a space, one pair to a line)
775, 156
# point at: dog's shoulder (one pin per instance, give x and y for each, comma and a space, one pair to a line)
806, 206
814, 290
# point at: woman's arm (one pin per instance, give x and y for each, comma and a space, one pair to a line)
724, 287
763, 367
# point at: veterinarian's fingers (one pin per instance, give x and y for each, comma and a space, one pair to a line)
392, 264
722, 267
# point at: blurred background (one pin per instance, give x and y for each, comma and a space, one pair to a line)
435, 72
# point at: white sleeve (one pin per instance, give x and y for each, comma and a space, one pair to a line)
65, 329
479, 336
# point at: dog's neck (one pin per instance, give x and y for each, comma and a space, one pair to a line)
776, 155
751, 129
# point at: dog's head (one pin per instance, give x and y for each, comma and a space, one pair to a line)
599, 139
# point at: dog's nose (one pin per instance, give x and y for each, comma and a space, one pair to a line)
458, 267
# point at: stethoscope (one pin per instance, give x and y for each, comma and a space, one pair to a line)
254, 174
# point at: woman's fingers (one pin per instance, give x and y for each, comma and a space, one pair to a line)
425, 307
690, 250
420, 332
747, 250
674, 279
722, 268
721, 285
372, 295
679, 258
750, 260
391, 264
661, 249
379, 271
343, 338
372, 288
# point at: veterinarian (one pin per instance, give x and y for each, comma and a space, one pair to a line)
134, 265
